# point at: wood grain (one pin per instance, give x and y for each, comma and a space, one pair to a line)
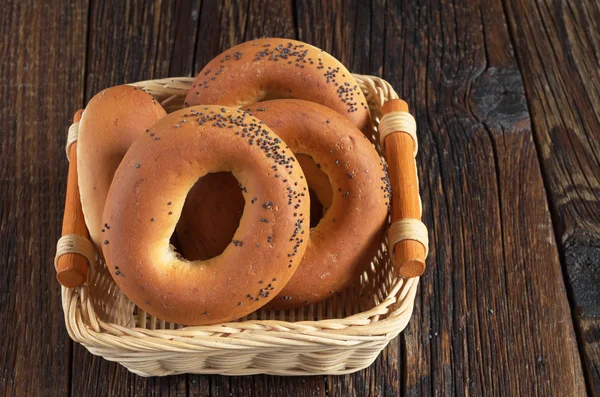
562, 76
41, 85
492, 315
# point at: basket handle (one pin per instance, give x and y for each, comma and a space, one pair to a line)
72, 267
406, 231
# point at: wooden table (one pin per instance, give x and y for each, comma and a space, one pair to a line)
507, 99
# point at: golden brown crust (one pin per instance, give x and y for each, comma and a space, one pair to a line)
147, 196
273, 68
346, 239
112, 120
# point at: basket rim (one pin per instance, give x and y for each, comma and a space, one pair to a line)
377, 324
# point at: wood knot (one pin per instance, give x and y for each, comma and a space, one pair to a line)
498, 97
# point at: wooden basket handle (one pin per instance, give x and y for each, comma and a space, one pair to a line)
400, 148
71, 267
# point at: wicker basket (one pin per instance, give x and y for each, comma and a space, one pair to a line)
341, 335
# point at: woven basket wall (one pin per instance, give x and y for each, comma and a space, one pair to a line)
341, 335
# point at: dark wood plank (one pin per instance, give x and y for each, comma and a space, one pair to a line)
131, 41
353, 31
263, 19
492, 314
562, 76
236, 23
222, 25
41, 84
146, 41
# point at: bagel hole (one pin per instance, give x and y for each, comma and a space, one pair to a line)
211, 214
319, 188
272, 94
316, 209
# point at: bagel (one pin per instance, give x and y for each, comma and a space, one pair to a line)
346, 239
274, 68
148, 193
112, 120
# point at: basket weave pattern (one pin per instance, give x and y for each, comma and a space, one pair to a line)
340, 335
